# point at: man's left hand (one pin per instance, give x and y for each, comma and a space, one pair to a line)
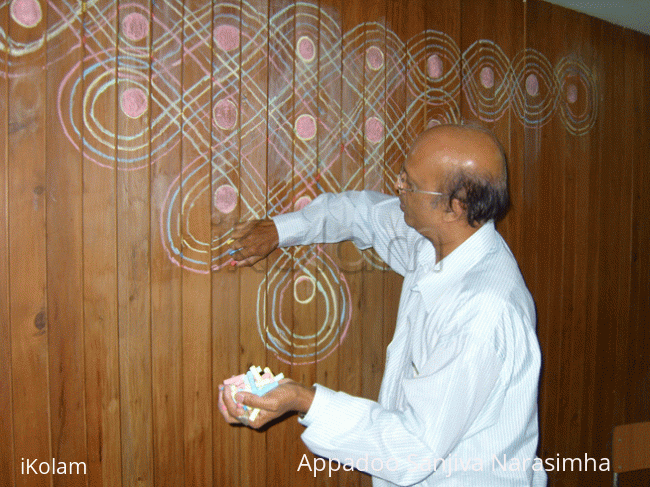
287, 397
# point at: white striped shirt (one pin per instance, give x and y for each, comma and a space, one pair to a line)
458, 400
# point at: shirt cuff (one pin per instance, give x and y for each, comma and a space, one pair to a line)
289, 227
318, 406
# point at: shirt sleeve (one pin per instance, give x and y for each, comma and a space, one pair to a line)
368, 218
408, 445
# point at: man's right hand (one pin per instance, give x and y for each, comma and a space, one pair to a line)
252, 241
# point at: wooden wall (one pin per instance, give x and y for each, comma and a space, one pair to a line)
135, 134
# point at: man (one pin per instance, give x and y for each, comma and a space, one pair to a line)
458, 401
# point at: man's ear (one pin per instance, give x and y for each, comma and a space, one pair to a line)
455, 212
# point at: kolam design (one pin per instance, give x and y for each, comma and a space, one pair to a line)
535, 92
286, 339
342, 107
578, 94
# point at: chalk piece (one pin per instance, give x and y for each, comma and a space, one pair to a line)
254, 383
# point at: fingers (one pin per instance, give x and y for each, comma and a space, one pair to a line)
252, 241
260, 402
227, 406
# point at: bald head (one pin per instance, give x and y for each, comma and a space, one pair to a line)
466, 148
471, 162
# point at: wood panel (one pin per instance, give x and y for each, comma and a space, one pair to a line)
133, 252
136, 134
166, 275
562, 196
276, 291
6, 411
65, 264
196, 249
103, 400
27, 200
228, 147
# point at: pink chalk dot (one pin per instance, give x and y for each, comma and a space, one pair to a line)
306, 49
572, 93
225, 198
305, 127
434, 66
225, 114
532, 85
374, 58
134, 102
487, 77
374, 130
26, 13
227, 37
301, 203
135, 26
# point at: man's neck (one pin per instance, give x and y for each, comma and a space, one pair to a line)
445, 244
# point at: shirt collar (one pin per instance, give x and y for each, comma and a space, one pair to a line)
463, 258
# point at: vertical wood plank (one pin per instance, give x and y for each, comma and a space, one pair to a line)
27, 197
99, 92
134, 236
638, 404
233, 37
196, 194
7, 461
276, 292
304, 278
613, 265
328, 179
166, 273
350, 373
374, 131
64, 258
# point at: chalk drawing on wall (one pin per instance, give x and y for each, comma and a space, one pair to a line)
534, 88
579, 95
297, 343
333, 111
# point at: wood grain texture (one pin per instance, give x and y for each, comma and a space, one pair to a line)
27, 200
119, 313
166, 277
226, 170
7, 461
65, 268
100, 242
196, 200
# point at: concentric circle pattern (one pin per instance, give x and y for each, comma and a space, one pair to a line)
282, 109
288, 291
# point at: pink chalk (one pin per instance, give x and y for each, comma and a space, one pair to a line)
225, 114
374, 130
225, 198
572, 93
434, 66
135, 26
306, 49
305, 127
26, 13
532, 85
134, 102
227, 37
487, 77
374, 58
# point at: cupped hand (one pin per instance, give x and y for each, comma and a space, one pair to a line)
289, 396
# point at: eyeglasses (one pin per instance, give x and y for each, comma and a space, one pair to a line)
402, 185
